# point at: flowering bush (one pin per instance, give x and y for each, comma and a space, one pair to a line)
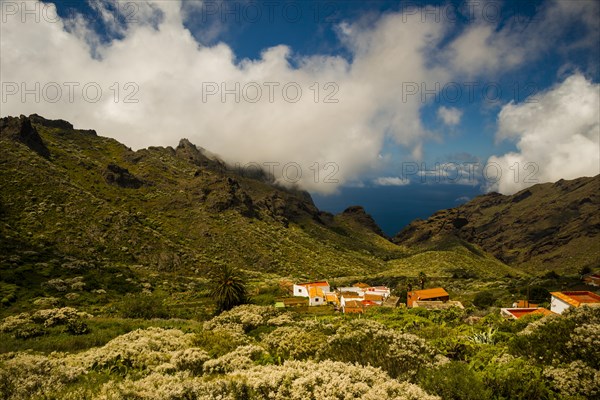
575, 380
556, 339
191, 359
58, 316
247, 316
241, 358
140, 350
370, 343
295, 380
26, 325
295, 342
26, 376
585, 344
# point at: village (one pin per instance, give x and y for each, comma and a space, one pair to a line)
356, 299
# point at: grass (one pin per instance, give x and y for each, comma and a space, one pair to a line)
102, 330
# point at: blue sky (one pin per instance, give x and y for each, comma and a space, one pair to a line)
538, 60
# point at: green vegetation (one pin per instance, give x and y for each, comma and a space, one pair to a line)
256, 352
120, 273
228, 288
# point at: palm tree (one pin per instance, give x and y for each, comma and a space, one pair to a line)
422, 279
228, 288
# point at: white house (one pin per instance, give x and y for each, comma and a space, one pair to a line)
316, 296
315, 291
379, 290
561, 301
301, 289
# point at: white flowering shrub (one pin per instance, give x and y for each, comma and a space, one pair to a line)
56, 284
295, 342
26, 325
295, 380
575, 380
370, 343
58, 316
247, 316
585, 344
191, 359
241, 358
140, 350
26, 376
286, 318
14, 322
46, 302
558, 339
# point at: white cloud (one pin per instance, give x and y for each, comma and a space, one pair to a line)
450, 115
557, 136
171, 69
488, 47
391, 181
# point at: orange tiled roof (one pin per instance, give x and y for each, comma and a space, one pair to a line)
430, 293
373, 297
315, 292
361, 285
521, 312
577, 298
351, 296
331, 297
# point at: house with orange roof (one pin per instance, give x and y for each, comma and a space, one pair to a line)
332, 298
375, 298
380, 290
434, 294
561, 301
346, 296
353, 307
301, 289
516, 313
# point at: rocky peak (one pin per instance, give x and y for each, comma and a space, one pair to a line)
21, 130
359, 215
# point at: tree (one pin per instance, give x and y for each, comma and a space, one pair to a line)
228, 288
422, 279
484, 299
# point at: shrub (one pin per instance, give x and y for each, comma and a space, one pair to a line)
575, 380
143, 306
295, 380
370, 343
484, 299
515, 378
546, 341
454, 381
295, 342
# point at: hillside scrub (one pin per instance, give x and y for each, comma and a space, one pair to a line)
257, 352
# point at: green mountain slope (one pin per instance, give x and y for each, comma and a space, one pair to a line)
90, 197
551, 226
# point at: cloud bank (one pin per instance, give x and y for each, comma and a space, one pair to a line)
328, 117
557, 136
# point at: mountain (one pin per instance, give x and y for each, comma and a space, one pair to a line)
68, 194
550, 226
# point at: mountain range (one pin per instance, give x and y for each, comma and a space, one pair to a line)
68, 195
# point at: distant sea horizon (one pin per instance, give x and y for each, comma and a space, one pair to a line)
394, 207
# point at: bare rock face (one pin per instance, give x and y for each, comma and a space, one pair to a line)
541, 226
21, 130
119, 176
